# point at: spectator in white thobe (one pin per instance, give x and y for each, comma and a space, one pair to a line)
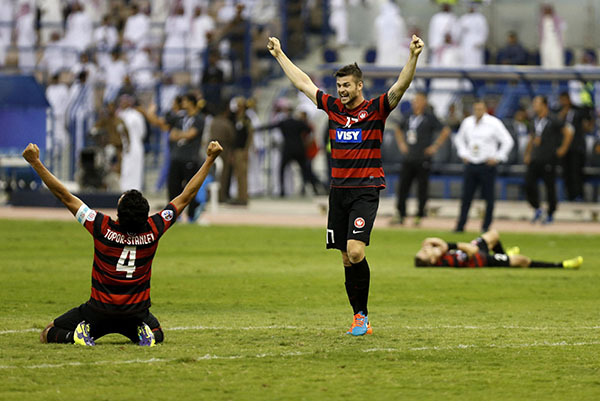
114, 75
26, 38
551, 30
87, 65
106, 38
141, 69
54, 59
202, 24
441, 24
6, 21
177, 27
443, 89
51, 18
338, 20
472, 32
137, 29
132, 164
390, 36
57, 94
79, 29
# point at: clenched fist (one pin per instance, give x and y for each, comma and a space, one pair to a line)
31, 153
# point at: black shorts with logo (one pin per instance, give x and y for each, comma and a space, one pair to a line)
352, 213
102, 324
491, 259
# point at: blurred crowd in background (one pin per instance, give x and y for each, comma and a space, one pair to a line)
121, 76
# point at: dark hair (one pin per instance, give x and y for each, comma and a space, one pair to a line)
543, 98
132, 211
350, 69
191, 97
421, 263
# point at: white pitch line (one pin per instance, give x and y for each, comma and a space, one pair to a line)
298, 353
285, 327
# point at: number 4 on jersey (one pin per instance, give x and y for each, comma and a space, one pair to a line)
128, 253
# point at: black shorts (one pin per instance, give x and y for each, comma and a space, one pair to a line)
102, 324
489, 259
352, 213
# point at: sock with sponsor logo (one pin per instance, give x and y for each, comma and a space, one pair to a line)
362, 278
58, 335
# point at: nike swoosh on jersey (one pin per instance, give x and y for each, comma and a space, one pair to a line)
357, 232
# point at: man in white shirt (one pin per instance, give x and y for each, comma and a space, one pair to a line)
26, 38
482, 142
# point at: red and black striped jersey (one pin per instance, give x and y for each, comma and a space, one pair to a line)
123, 262
356, 136
458, 258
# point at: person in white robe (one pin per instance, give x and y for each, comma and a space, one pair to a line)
54, 59
338, 21
551, 30
80, 29
57, 94
141, 69
441, 24
472, 33
6, 22
105, 39
136, 33
132, 163
202, 24
442, 90
114, 73
390, 36
177, 27
26, 38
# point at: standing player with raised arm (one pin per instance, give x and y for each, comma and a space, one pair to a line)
123, 254
356, 130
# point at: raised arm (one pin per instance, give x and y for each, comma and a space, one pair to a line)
408, 72
298, 77
32, 155
192, 187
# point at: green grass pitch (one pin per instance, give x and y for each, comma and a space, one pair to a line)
259, 313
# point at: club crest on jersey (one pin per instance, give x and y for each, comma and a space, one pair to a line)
362, 115
359, 222
348, 135
167, 215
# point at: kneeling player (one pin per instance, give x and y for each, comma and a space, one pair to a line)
123, 254
484, 251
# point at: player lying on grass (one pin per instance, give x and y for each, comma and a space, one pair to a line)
484, 251
123, 254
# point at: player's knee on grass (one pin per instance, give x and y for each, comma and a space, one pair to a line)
519, 261
44, 333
